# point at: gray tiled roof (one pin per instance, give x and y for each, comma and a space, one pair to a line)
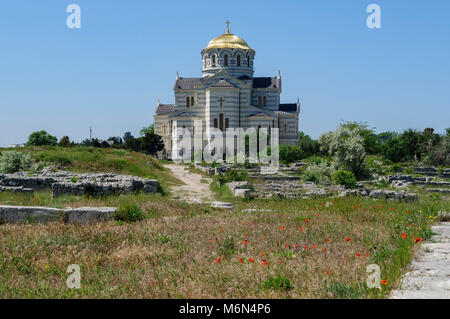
288, 107
266, 83
188, 83
259, 114
165, 109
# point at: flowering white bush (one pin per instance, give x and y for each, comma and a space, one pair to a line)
13, 161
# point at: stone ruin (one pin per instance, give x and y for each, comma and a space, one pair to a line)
66, 183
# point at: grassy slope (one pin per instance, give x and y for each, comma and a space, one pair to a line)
90, 159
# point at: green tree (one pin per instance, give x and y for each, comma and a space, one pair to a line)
394, 150
13, 161
290, 153
411, 140
148, 130
65, 142
309, 146
346, 147
41, 138
151, 143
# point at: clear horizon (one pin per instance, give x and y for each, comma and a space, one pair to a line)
110, 73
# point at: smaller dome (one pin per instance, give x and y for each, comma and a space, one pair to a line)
229, 41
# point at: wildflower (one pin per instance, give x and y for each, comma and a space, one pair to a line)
211, 241
404, 235
420, 228
358, 255
409, 212
327, 240
417, 240
300, 229
287, 245
251, 260
327, 272
264, 262
318, 215
392, 208
347, 239
240, 260
305, 247
245, 235
282, 227
313, 246
217, 261
306, 220
296, 246
367, 255
263, 253
384, 282
324, 248
245, 242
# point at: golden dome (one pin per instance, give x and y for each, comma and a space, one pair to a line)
229, 41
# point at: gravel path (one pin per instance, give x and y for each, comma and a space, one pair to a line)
429, 277
193, 190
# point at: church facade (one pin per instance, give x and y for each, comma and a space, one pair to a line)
228, 96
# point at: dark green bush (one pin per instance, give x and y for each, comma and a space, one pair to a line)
278, 283
231, 176
291, 154
344, 178
129, 212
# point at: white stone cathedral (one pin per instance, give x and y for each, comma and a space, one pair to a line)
228, 95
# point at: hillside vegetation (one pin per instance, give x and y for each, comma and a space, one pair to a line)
82, 159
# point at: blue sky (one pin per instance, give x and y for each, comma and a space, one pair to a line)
109, 73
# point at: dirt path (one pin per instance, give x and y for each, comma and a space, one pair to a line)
429, 277
193, 189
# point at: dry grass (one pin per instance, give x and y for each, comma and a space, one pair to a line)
172, 253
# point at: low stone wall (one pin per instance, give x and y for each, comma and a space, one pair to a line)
432, 171
380, 193
33, 214
66, 183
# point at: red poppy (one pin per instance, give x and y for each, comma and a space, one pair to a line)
327, 272
240, 260
245, 242
417, 240
358, 255
404, 235
287, 245
300, 229
384, 282
245, 235
305, 247
391, 208
367, 255
306, 220
251, 260
347, 239
324, 248
318, 215
211, 240
263, 253
296, 246
327, 240
282, 227
217, 261
313, 246
264, 262
420, 228
409, 212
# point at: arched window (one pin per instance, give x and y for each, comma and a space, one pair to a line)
265, 100
225, 60
221, 121
192, 101
215, 123
238, 60
259, 100
214, 60
227, 123
187, 101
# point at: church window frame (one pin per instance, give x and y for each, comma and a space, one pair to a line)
192, 101
213, 60
264, 100
216, 124
227, 123
188, 101
225, 60
238, 59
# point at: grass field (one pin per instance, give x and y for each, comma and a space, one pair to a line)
317, 248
